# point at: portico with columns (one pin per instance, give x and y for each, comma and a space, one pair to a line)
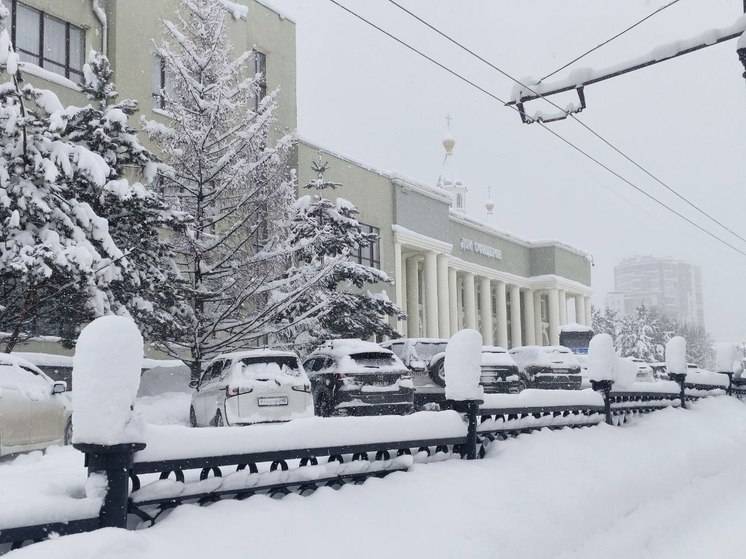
444, 293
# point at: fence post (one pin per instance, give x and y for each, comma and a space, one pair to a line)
680, 378
471, 409
729, 392
114, 462
604, 387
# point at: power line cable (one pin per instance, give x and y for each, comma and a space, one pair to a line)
609, 40
576, 119
544, 127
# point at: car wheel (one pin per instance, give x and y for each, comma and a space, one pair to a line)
192, 417
67, 437
438, 372
218, 421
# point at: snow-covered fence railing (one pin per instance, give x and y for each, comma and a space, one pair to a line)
277, 458
507, 415
19, 535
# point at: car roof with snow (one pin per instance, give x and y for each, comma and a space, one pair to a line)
493, 349
349, 346
263, 352
11, 359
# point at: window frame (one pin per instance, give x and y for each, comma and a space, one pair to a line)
259, 68
370, 254
41, 60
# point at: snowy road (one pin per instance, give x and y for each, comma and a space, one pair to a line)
671, 485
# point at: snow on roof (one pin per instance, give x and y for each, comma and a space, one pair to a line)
14, 359
270, 5
262, 352
575, 327
349, 346
45, 359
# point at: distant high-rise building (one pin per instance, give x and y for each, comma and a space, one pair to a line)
615, 302
671, 286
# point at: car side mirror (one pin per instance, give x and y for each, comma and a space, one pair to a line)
58, 387
194, 384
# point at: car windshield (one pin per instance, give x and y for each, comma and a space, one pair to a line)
427, 350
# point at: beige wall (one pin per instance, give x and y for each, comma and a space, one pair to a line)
371, 192
133, 25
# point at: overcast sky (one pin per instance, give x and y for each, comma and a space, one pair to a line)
363, 95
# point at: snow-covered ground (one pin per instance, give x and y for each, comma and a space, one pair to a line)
671, 484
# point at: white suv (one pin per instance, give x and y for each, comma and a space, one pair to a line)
256, 386
34, 412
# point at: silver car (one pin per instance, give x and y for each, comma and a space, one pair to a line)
34, 411
255, 386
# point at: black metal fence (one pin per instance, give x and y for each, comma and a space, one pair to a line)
204, 479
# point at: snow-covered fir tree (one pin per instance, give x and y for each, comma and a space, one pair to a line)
230, 173
325, 237
57, 257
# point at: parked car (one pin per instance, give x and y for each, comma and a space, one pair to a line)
425, 358
659, 370
255, 386
353, 377
549, 367
34, 411
644, 369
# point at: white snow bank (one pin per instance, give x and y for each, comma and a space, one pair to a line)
659, 386
106, 375
169, 408
172, 442
535, 398
38, 488
602, 359
463, 366
707, 377
670, 486
676, 355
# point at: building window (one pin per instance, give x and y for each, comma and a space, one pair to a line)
259, 63
162, 83
370, 254
47, 41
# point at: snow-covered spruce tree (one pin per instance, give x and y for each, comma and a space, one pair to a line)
57, 258
326, 234
229, 174
140, 222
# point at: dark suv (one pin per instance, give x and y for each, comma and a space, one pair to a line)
549, 367
353, 377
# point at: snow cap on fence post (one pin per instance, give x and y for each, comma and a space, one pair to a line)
106, 375
625, 372
463, 366
676, 355
728, 358
602, 359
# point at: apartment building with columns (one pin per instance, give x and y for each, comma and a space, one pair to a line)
449, 271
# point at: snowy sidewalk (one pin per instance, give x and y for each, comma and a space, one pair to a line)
672, 484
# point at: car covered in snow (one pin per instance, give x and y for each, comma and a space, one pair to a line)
253, 386
354, 377
645, 372
35, 412
549, 367
425, 358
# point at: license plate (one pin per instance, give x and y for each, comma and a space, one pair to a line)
272, 401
